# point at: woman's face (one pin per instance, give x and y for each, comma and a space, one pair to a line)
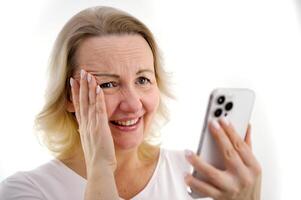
124, 68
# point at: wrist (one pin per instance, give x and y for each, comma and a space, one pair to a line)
100, 170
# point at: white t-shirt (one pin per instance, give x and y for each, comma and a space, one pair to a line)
55, 181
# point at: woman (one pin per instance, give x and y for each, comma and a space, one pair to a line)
104, 103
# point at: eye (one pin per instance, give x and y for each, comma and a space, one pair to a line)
143, 81
108, 85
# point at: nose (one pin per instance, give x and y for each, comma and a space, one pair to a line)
131, 101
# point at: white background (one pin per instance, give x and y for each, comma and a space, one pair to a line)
205, 44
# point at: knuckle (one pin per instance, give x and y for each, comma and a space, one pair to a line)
229, 153
239, 145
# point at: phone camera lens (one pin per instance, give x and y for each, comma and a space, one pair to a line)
229, 106
218, 112
221, 99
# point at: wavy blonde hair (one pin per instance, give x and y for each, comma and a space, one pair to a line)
57, 127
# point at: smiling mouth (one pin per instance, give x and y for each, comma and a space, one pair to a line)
127, 123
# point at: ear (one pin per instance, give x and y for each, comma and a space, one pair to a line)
70, 106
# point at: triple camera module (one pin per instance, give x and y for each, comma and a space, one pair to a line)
224, 108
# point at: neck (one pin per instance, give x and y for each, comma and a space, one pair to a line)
127, 161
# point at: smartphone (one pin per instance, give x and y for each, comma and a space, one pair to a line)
236, 105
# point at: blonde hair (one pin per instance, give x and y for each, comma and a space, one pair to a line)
57, 127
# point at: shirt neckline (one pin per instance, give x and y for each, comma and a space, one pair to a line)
83, 180
152, 180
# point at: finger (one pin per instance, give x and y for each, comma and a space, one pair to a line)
100, 102
101, 112
100, 106
92, 89
231, 157
240, 146
202, 187
83, 96
92, 96
208, 173
248, 137
256, 166
75, 97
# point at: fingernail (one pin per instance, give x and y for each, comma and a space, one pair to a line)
225, 120
89, 77
71, 81
215, 124
82, 73
97, 89
188, 153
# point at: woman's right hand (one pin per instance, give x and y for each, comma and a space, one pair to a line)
95, 133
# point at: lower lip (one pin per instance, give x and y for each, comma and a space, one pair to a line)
128, 128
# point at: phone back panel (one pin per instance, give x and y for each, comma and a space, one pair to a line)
238, 114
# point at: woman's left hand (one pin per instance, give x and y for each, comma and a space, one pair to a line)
241, 180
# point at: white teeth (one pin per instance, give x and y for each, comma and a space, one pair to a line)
127, 123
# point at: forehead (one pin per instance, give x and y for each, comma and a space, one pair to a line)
114, 53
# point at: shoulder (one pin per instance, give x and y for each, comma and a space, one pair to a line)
19, 186
173, 155
52, 180
28, 184
175, 159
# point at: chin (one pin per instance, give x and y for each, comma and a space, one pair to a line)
127, 145
128, 141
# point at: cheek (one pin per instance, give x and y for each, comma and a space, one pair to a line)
151, 100
111, 102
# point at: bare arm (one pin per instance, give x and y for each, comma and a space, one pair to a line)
101, 185
96, 138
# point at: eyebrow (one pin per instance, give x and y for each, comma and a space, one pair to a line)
117, 76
